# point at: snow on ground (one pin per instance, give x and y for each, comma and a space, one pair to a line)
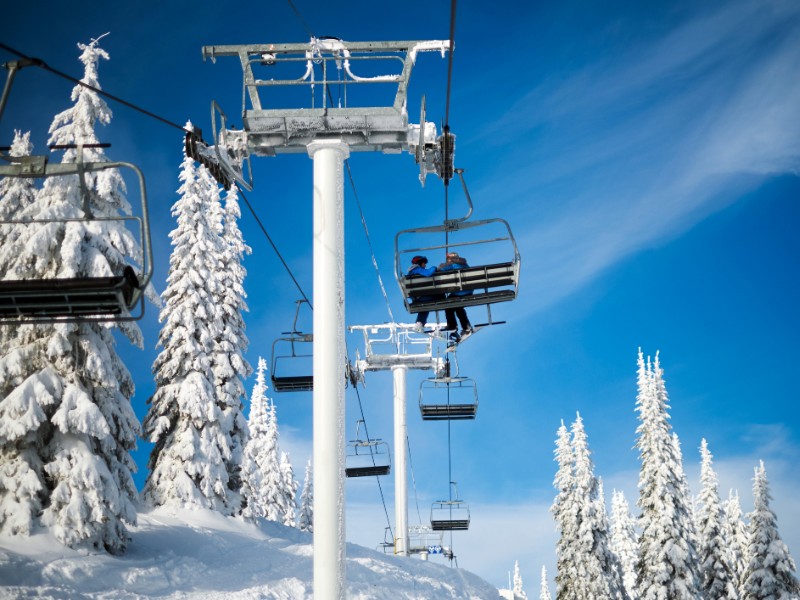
201, 554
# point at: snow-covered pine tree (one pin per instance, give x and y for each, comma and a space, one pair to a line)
273, 484
565, 512
623, 540
21, 473
266, 487
186, 421
289, 491
734, 533
305, 520
716, 576
66, 414
667, 556
16, 195
770, 571
598, 569
229, 366
255, 449
544, 587
519, 591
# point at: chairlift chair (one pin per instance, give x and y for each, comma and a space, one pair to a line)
292, 356
86, 298
495, 281
450, 515
367, 458
448, 399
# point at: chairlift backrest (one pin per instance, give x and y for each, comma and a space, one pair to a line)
86, 298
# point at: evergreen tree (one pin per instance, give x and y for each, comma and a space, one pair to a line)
667, 561
191, 427
519, 592
734, 533
544, 588
275, 505
289, 489
228, 363
67, 425
255, 451
623, 540
565, 512
770, 570
305, 521
716, 577
599, 571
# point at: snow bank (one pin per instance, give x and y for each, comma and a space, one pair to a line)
201, 554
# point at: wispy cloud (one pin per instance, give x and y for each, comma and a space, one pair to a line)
639, 147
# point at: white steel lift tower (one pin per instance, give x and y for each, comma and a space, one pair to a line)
312, 90
397, 348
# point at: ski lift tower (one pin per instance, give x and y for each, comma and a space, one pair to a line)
299, 116
397, 348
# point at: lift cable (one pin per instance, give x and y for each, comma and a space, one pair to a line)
450, 62
40, 63
302, 20
446, 127
380, 487
413, 479
369, 241
274, 247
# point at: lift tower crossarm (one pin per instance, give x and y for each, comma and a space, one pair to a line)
278, 78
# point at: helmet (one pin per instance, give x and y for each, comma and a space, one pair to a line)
418, 260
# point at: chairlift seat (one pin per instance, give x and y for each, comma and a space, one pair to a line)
298, 383
367, 471
450, 515
430, 293
448, 412
76, 297
450, 524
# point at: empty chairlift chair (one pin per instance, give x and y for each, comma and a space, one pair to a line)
448, 398
450, 515
292, 360
112, 297
367, 458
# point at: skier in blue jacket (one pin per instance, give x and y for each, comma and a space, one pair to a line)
419, 267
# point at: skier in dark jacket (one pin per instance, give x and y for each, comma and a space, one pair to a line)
419, 267
454, 261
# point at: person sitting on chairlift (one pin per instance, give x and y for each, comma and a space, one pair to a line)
419, 267
454, 261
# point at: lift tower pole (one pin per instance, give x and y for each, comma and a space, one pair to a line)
400, 473
272, 124
329, 356
398, 347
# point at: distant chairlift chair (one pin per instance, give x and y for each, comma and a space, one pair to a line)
448, 398
292, 360
367, 458
450, 515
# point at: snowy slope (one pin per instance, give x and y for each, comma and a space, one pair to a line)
201, 554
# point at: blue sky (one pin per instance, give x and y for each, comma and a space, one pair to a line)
647, 159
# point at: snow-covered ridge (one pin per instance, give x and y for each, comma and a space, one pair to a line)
202, 554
